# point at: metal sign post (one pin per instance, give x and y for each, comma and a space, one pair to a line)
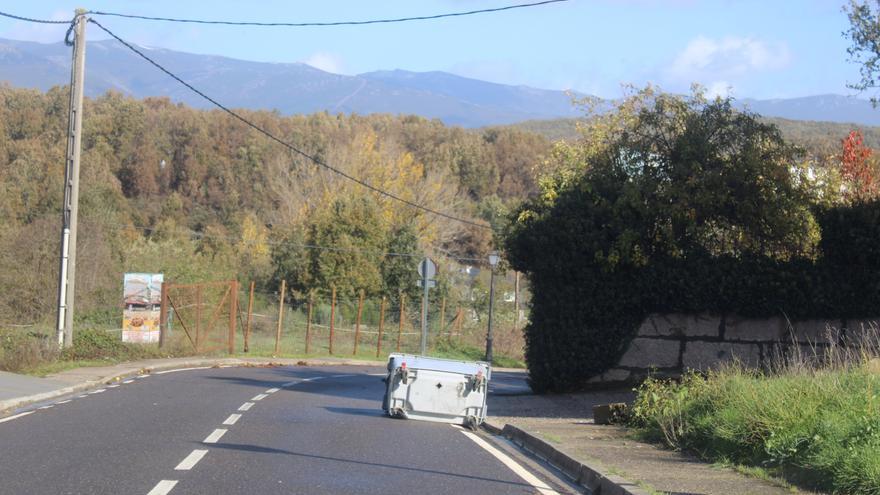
427, 270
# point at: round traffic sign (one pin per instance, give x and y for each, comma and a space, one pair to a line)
427, 268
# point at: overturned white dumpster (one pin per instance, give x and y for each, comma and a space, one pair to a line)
434, 389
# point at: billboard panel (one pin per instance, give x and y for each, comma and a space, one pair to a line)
142, 293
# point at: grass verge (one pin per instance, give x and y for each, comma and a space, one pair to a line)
812, 420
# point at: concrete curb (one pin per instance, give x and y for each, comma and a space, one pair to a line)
137, 368
590, 477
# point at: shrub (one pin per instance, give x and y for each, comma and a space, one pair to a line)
24, 349
819, 427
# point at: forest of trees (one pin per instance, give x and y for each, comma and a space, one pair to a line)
199, 196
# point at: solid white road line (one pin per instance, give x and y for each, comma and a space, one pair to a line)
10, 418
191, 460
162, 487
214, 436
260, 397
246, 406
231, 420
272, 390
128, 381
512, 465
83, 396
64, 401
289, 384
139, 377
47, 407
183, 369
100, 390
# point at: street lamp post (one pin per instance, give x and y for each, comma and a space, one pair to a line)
493, 260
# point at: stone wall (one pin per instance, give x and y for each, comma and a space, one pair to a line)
668, 345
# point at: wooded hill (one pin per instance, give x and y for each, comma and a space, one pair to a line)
812, 135
198, 195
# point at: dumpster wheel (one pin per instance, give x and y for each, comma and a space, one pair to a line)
471, 423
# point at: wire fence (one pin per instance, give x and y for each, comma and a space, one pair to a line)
368, 327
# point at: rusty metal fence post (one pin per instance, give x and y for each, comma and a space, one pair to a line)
357, 324
332, 316
280, 317
400, 322
163, 316
250, 312
233, 311
381, 324
198, 318
309, 322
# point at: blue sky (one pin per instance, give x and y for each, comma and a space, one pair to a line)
759, 49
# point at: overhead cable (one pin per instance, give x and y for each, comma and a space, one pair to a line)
326, 24
28, 19
313, 159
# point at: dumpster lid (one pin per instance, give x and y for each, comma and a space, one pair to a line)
414, 361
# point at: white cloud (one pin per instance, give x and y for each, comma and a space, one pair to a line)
326, 62
717, 61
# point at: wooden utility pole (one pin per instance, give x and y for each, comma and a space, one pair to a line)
67, 269
280, 317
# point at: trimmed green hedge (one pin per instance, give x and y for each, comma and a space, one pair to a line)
583, 317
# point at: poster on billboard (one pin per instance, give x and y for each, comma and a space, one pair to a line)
142, 294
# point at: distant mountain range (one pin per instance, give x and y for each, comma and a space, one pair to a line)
299, 88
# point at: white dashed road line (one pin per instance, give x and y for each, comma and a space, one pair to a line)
19, 415
162, 487
260, 397
215, 436
128, 381
272, 390
47, 407
191, 460
64, 401
232, 419
246, 406
512, 465
99, 391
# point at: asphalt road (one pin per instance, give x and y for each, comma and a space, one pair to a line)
252, 430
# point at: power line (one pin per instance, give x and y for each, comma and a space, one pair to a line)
326, 24
28, 19
289, 146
